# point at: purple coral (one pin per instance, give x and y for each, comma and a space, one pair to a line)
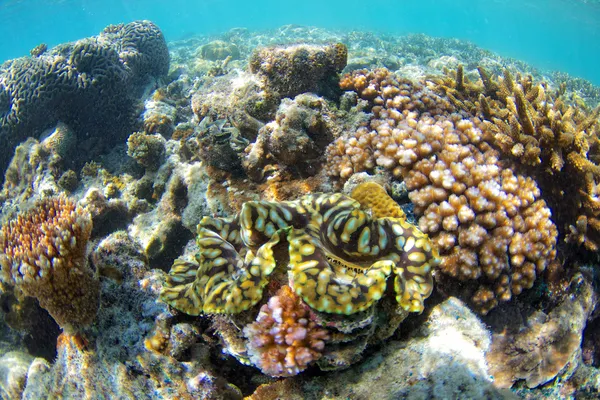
283, 340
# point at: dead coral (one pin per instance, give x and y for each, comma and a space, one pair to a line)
147, 150
294, 69
547, 344
42, 253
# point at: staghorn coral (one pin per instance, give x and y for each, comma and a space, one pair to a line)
284, 341
90, 85
488, 221
339, 258
42, 253
294, 69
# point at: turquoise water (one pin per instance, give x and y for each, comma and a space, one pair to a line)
549, 34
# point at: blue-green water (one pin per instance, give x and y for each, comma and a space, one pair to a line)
549, 34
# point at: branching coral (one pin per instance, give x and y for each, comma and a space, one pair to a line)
541, 128
339, 258
487, 220
283, 340
42, 253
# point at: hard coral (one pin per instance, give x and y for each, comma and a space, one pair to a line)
43, 254
294, 69
284, 341
487, 220
544, 129
87, 84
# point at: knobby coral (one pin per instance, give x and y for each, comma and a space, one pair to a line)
487, 220
553, 134
283, 340
42, 254
339, 258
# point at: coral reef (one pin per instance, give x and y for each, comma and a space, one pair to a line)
89, 85
283, 340
42, 253
546, 130
147, 150
297, 138
339, 258
487, 220
442, 359
290, 70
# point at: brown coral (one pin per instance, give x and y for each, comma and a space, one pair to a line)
541, 128
283, 340
487, 220
42, 253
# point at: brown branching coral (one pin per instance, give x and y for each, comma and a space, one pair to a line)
284, 340
42, 253
543, 129
488, 221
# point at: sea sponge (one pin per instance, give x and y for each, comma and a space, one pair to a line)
43, 254
90, 85
284, 341
487, 220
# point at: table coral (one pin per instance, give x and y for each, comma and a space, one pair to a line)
42, 253
283, 340
487, 220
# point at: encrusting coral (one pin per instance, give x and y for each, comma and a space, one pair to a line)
488, 221
283, 340
335, 253
43, 254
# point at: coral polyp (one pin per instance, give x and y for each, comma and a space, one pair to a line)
338, 256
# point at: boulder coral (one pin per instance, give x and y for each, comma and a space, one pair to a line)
90, 85
294, 69
43, 254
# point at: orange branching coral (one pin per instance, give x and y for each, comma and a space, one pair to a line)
42, 253
488, 222
284, 340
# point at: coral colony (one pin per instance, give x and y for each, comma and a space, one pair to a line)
229, 218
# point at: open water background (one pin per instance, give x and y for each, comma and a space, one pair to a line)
549, 34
